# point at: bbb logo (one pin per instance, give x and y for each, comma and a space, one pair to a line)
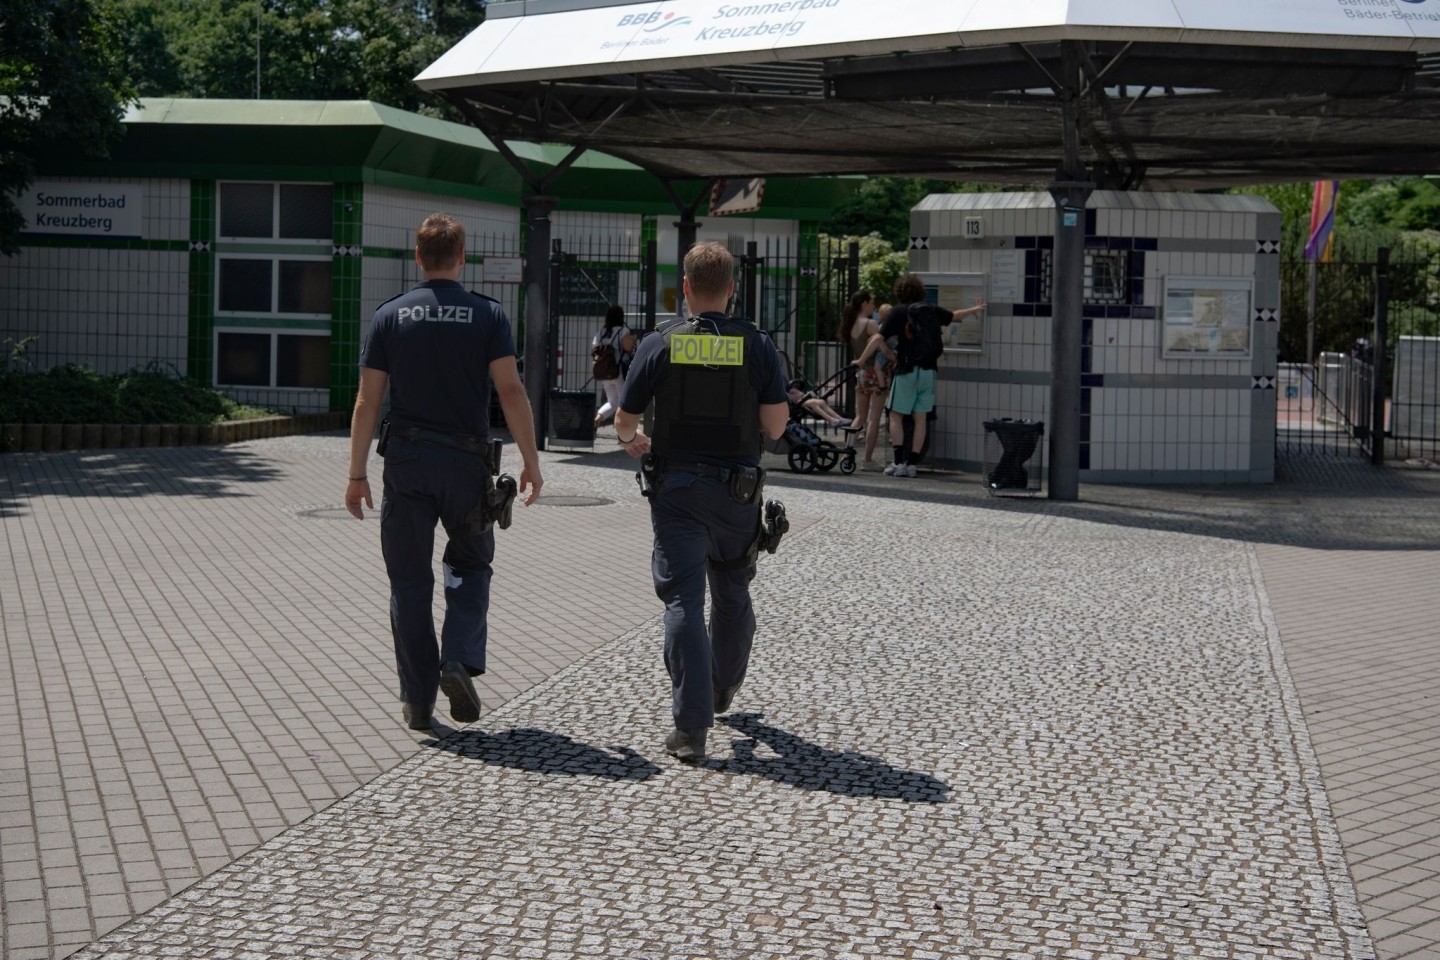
652, 21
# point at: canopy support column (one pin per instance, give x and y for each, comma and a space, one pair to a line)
687, 229
538, 208
1071, 191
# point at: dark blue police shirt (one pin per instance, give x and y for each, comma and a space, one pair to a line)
436, 343
652, 362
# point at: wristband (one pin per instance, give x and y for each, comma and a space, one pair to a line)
626, 443
356, 479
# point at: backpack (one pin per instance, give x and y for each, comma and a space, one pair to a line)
926, 346
604, 365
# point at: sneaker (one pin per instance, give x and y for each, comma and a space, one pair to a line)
895, 470
910, 470
868, 466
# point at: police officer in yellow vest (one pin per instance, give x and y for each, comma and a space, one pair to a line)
717, 387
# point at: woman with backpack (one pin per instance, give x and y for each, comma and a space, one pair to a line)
607, 354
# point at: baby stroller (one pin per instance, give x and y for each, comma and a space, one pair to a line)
804, 449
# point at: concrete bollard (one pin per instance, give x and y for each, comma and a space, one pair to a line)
150, 435
90, 439
169, 434
130, 435
110, 436
11, 437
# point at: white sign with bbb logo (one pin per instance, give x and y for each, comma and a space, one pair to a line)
76, 209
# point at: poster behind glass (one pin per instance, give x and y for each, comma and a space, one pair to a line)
954, 291
1207, 318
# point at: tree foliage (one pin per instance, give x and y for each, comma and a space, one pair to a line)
63, 78
307, 49
1401, 214
881, 206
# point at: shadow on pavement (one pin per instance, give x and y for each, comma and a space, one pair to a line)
166, 471
541, 751
1324, 503
808, 766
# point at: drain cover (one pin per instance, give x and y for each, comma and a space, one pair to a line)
566, 501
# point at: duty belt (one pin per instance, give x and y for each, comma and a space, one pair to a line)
460, 441
712, 471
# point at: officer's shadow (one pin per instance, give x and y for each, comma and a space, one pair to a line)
541, 751
806, 765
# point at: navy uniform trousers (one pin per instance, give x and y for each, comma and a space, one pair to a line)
425, 484
696, 521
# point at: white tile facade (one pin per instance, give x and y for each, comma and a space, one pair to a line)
1150, 419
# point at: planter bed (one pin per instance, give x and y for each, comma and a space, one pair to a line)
27, 437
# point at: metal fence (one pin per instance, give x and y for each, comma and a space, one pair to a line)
1360, 354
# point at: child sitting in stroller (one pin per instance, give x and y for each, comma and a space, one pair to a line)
808, 402
804, 449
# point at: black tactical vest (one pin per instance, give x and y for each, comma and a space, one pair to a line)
705, 406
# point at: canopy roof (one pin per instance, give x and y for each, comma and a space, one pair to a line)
1178, 93
358, 140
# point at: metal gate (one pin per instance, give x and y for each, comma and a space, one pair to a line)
586, 279
1373, 389
793, 291
796, 295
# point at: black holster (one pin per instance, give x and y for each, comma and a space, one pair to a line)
773, 527
648, 476
746, 484
497, 501
384, 438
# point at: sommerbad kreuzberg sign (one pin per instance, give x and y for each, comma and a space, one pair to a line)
785, 20
731, 21
84, 209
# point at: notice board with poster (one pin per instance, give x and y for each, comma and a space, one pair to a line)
953, 291
1207, 318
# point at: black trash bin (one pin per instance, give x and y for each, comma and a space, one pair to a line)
1015, 467
572, 418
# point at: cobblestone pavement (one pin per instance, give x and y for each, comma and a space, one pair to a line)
1077, 737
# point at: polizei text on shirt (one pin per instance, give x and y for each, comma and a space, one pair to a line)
444, 313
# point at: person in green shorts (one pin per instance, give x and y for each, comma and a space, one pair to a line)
911, 339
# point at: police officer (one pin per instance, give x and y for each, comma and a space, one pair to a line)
438, 348
717, 386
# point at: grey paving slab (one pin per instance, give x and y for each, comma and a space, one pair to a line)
968, 732
196, 656
1362, 629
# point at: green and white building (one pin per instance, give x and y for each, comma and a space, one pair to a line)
247, 243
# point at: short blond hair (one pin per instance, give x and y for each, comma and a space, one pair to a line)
710, 270
440, 242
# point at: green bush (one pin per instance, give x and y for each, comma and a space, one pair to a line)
76, 394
